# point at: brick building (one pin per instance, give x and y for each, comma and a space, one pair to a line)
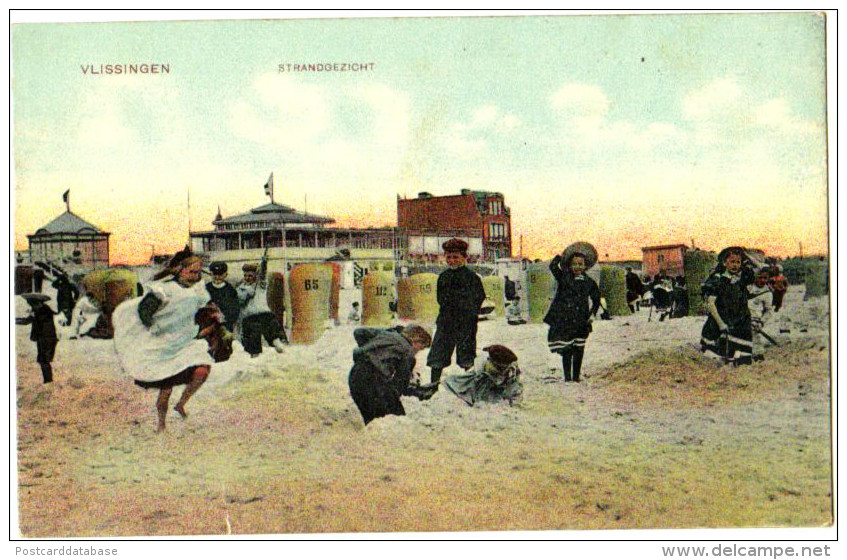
479, 217
667, 258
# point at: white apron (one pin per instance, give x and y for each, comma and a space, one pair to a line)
170, 345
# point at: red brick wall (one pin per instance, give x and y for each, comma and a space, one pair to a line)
671, 262
439, 213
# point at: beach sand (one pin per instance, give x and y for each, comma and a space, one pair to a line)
656, 436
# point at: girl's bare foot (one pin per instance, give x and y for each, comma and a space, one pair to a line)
179, 408
160, 429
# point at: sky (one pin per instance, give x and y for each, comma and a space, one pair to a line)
621, 130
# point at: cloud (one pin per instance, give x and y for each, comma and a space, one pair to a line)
582, 114
313, 126
487, 125
717, 99
581, 101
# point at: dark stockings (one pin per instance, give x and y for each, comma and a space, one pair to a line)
572, 362
46, 371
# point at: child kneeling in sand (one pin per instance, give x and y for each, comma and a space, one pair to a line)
494, 379
382, 369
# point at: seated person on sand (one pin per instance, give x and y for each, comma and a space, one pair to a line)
382, 369
353, 316
513, 312
84, 316
492, 379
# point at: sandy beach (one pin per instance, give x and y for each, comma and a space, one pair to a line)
656, 436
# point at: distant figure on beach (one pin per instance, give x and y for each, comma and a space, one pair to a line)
760, 302
43, 332
510, 289
38, 279
66, 296
575, 304
383, 363
680, 298
257, 319
353, 316
662, 290
460, 295
779, 286
728, 331
634, 289
156, 335
223, 294
514, 316
492, 379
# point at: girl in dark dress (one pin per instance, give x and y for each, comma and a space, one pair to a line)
728, 331
570, 314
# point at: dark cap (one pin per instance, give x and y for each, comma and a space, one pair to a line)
455, 246
250, 267
218, 267
500, 355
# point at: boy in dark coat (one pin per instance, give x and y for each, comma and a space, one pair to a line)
223, 294
382, 369
460, 295
43, 332
569, 315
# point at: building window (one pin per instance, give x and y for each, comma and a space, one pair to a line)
660, 258
495, 207
496, 231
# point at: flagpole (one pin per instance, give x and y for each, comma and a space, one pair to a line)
189, 216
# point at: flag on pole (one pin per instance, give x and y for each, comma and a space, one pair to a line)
269, 186
66, 198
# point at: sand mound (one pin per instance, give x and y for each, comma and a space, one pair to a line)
685, 377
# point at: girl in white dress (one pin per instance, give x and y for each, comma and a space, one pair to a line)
156, 335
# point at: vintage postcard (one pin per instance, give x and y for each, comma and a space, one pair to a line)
546, 272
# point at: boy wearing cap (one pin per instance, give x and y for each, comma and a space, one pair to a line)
43, 332
460, 295
257, 319
223, 294
494, 379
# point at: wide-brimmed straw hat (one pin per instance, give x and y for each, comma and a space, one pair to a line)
583, 248
31, 298
733, 249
